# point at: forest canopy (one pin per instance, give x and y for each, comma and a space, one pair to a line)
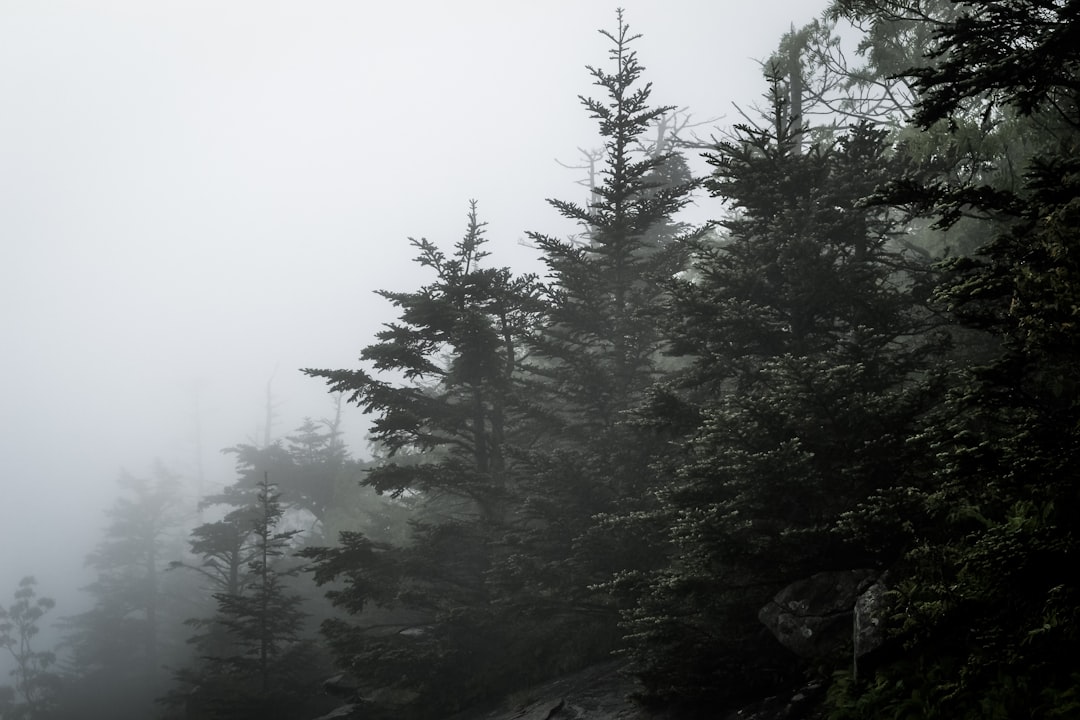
860, 377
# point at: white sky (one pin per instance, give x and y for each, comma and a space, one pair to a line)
198, 196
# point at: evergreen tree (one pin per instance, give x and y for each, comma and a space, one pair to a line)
446, 429
254, 663
986, 606
311, 464
119, 647
458, 411
224, 550
36, 684
597, 350
600, 339
805, 375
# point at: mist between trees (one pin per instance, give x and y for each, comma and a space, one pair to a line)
867, 362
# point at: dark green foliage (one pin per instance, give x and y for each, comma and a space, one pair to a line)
987, 601
265, 616
675, 426
422, 638
595, 354
601, 335
458, 412
1019, 53
224, 549
802, 383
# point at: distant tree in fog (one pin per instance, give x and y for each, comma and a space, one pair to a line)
253, 663
118, 647
35, 683
309, 468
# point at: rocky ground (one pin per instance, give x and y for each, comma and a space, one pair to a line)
602, 693
597, 693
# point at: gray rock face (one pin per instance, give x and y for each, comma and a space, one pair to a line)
813, 617
870, 608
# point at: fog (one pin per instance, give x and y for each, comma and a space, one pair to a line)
197, 199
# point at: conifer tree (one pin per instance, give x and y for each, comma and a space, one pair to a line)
457, 412
802, 383
446, 411
254, 662
310, 464
985, 602
600, 338
35, 689
119, 647
597, 350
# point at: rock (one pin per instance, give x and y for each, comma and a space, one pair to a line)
544, 710
813, 617
340, 686
801, 705
870, 608
772, 708
597, 693
344, 711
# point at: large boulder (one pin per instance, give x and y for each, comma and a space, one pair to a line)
813, 617
870, 608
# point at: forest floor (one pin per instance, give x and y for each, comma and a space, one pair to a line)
599, 692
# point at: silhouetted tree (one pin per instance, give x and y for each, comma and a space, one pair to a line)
594, 354
456, 409
253, 661
446, 429
36, 685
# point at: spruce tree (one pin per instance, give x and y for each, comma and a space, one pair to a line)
597, 350
311, 465
804, 376
254, 662
456, 412
443, 392
985, 603
120, 646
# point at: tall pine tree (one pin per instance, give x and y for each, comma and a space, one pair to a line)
596, 352
254, 662
446, 412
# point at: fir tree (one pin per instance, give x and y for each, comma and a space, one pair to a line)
458, 412
311, 465
985, 603
446, 429
254, 663
595, 353
600, 339
119, 647
803, 382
